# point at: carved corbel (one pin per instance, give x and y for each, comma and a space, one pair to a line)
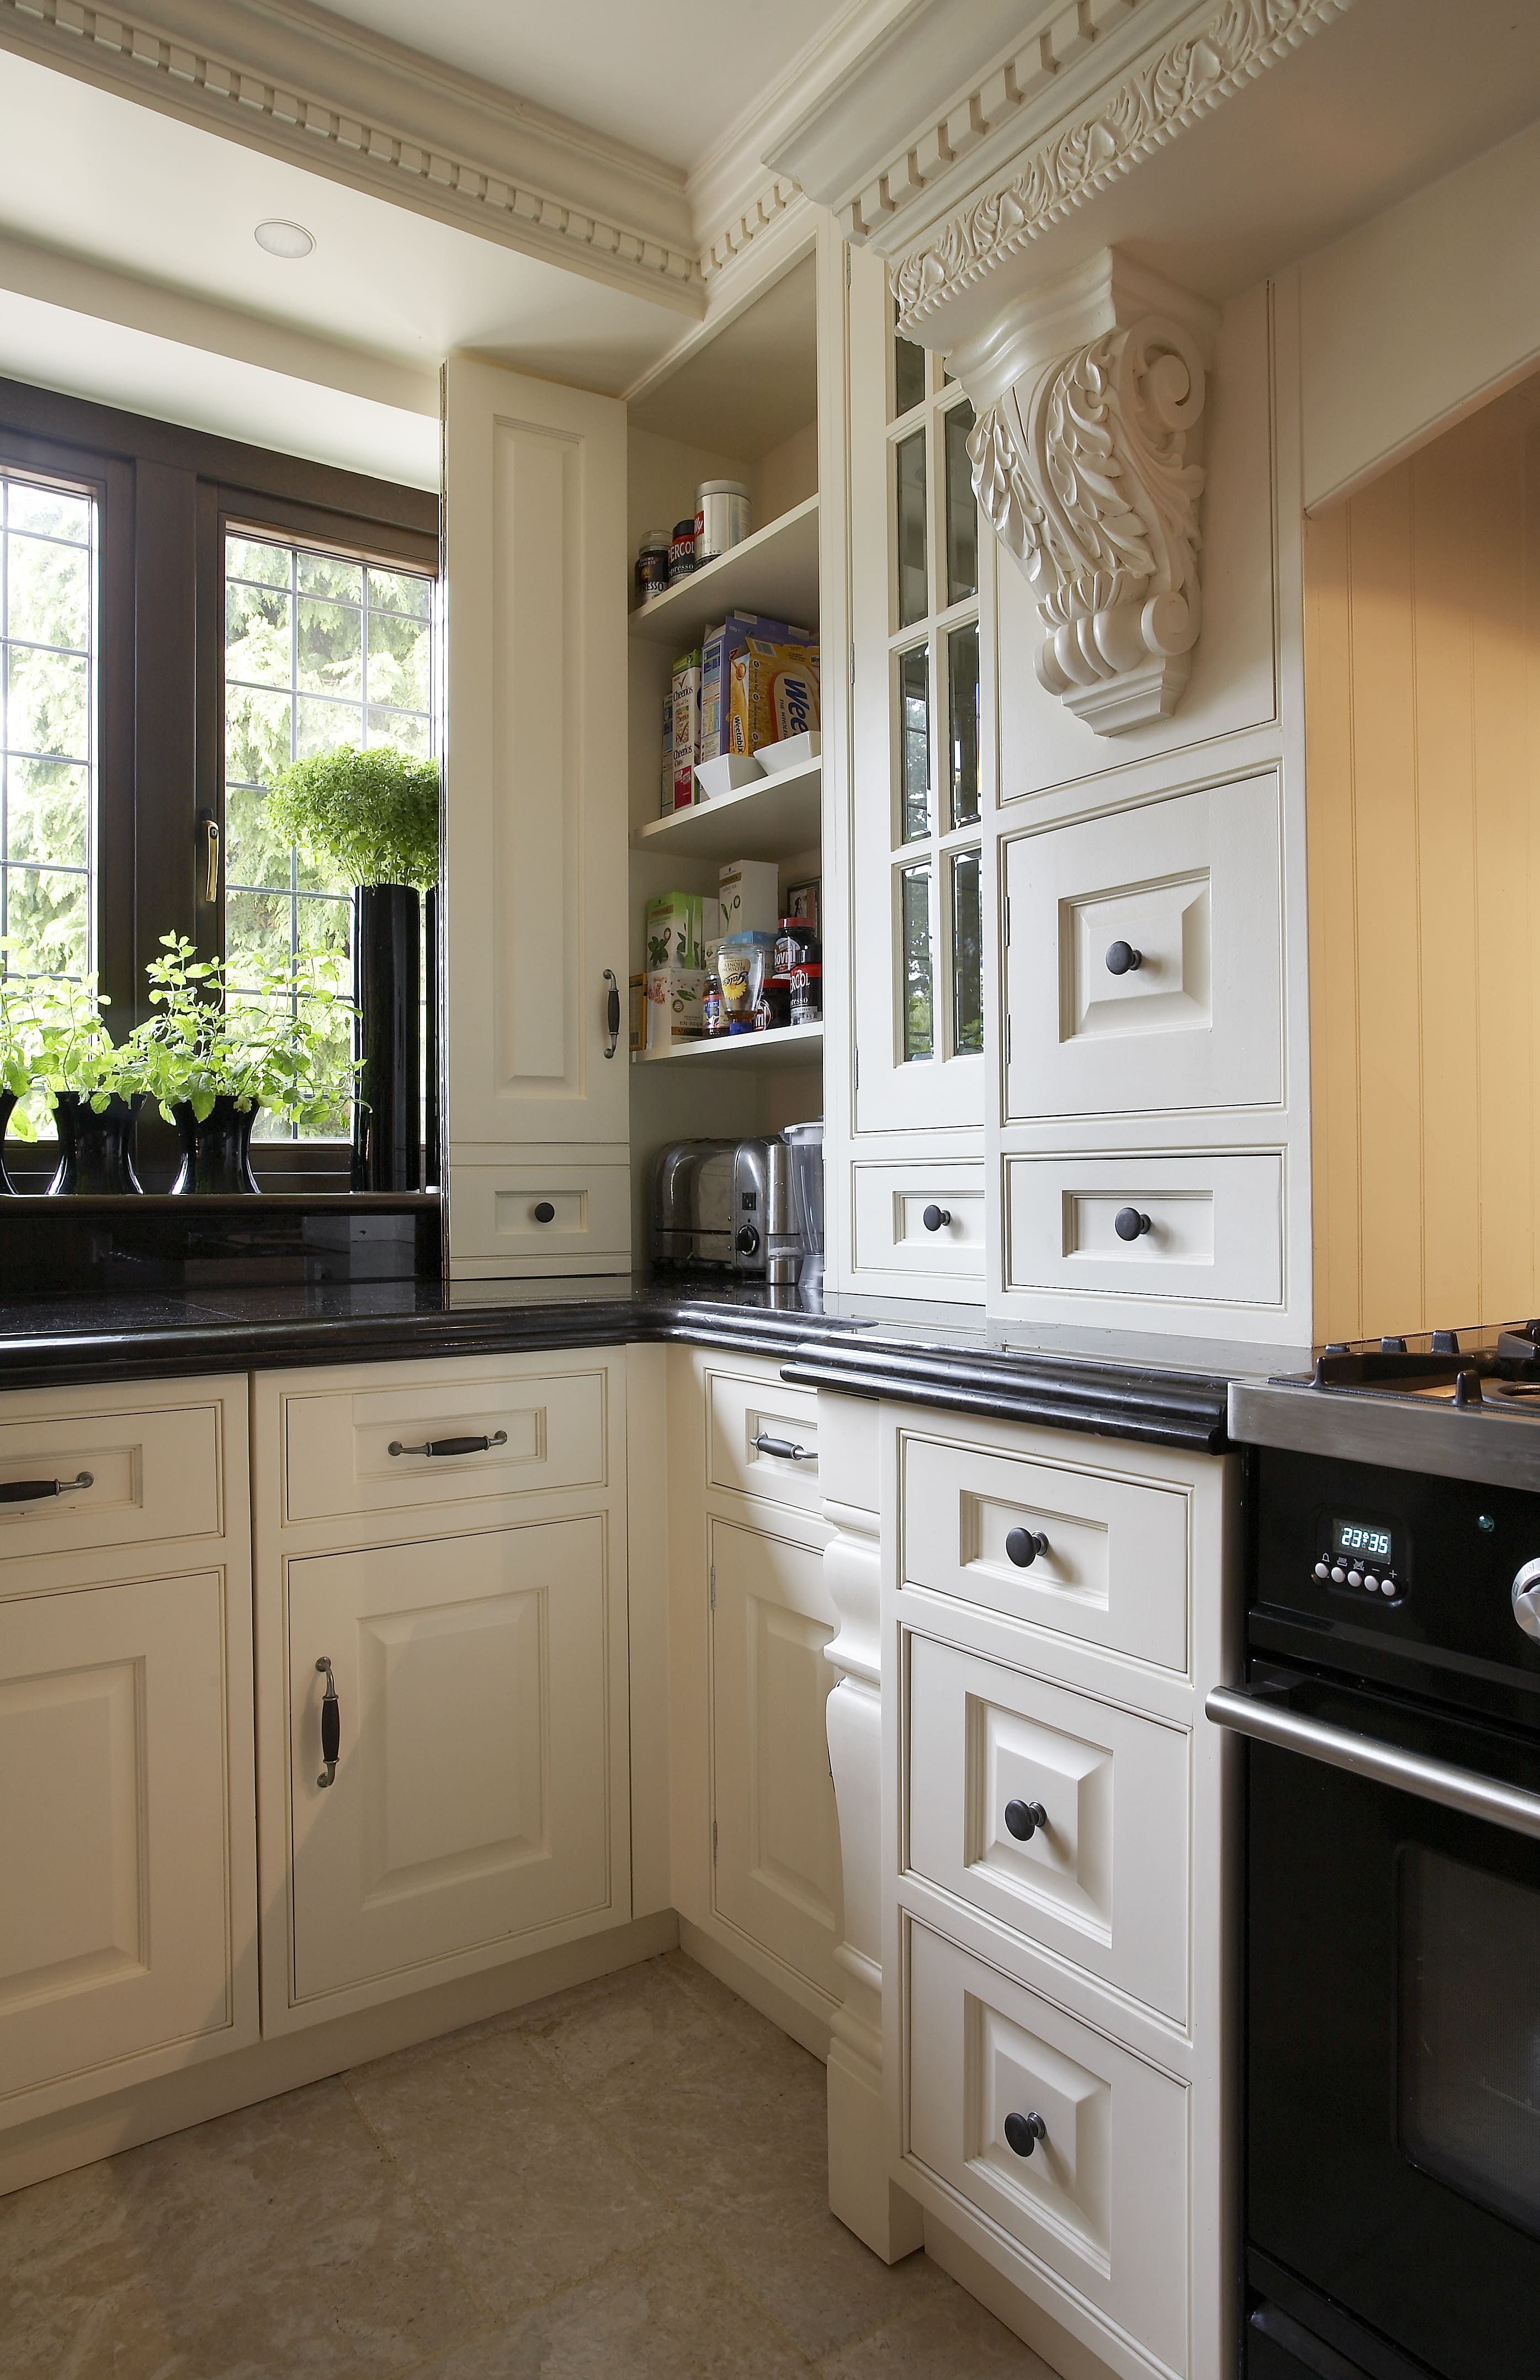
1083, 465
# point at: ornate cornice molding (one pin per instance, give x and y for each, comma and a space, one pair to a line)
475, 182
1168, 92
757, 214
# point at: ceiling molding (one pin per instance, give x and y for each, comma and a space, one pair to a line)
281, 76
1171, 86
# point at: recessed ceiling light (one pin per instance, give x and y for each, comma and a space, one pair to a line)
290, 239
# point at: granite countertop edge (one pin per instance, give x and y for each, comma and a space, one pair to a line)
1169, 1406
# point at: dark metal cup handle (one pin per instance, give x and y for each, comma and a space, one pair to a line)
31, 1491
783, 1448
330, 1725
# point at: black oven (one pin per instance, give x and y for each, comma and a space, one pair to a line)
1393, 1929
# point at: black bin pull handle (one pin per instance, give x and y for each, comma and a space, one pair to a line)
782, 1448
331, 1724
451, 1445
612, 1013
31, 1491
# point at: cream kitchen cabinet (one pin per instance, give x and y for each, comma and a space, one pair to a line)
454, 1621
535, 824
127, 1857
756, 1837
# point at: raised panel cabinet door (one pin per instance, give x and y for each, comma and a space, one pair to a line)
777, 1873
470, 1801
535, 771
117, 1918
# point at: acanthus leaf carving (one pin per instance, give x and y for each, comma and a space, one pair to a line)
1082, 469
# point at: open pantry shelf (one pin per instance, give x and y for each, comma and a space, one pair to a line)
775, 573
775, 817
792, 1045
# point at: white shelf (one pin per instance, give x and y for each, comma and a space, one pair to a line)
792, 1045
772, 819
775, 573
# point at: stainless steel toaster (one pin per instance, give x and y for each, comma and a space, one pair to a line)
728, 1203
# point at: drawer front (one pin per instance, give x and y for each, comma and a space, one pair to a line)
1101, 2198
338, 1443
927, 1218
1202, 1229
753, 1427
1152, 940
153, 1476
1113, 1570
543, 1218
1064, 1816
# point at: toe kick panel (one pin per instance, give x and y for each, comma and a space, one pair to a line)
1198, 1228
1152, 938
1064, 1816
1072, 2145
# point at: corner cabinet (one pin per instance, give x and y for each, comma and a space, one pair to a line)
534, 812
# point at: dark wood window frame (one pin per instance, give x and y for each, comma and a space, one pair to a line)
166, 495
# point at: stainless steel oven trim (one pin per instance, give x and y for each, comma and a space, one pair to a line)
1264, 1719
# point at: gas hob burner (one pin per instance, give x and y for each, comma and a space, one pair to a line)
1495, 1367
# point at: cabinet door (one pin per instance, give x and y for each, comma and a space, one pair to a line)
471, 1805
536, 768
117, 1898
776, 1831
923, 757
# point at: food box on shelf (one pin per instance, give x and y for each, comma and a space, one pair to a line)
719, 648
687, 727
675, 1009
677, 924
750, 890
774, 694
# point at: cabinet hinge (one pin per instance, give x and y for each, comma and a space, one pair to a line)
713, 1587
713, 1842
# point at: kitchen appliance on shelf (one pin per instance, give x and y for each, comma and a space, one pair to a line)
729, 1204
805, 1144
1391, 1709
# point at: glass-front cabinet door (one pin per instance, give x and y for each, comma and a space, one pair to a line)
922, 705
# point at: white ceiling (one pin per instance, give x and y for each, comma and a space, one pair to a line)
668, 76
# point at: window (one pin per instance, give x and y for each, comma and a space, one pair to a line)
319, 649
130, 551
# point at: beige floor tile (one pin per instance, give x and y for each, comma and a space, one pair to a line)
950, 2337
669, 2314
816, 2278
273, 2244
639, 2014
516, 2173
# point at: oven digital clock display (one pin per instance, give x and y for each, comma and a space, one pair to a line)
1362, 1540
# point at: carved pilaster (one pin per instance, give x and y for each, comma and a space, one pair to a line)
1083, 454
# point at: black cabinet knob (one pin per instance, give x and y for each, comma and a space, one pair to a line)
545, 1212
1023, 2132
936, 1217
1023, 1546
1023, 1819
1129, 1224
1123, 959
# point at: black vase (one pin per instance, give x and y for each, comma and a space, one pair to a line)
387, 1123
216, 1153
7, 1109
95, 1152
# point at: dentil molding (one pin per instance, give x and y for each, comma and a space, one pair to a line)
1090, 397
1171, 88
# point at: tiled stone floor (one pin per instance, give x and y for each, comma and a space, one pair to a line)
623, 2183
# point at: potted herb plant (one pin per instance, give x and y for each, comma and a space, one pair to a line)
19, 1034
211, 1056
94, 1085
373, 815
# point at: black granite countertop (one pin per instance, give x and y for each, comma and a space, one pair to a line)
1158, 1391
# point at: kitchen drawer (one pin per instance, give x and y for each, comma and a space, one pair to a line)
743, 1416
501, 1217
156, 1474
892, 1233
1190, 888
1207, 1229
1113, 1572
1101, 2198
1103, 1879
337, 1443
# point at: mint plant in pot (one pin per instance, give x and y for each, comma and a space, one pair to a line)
211, 1056
20, 1005
373, 815
94, 1085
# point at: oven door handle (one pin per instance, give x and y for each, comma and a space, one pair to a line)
1267, 1720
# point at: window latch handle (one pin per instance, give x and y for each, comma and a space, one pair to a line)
208, 826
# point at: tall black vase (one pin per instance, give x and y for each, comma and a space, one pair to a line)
216, 1154
432, 1056
387, 1123
95, 1151
7, 1109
